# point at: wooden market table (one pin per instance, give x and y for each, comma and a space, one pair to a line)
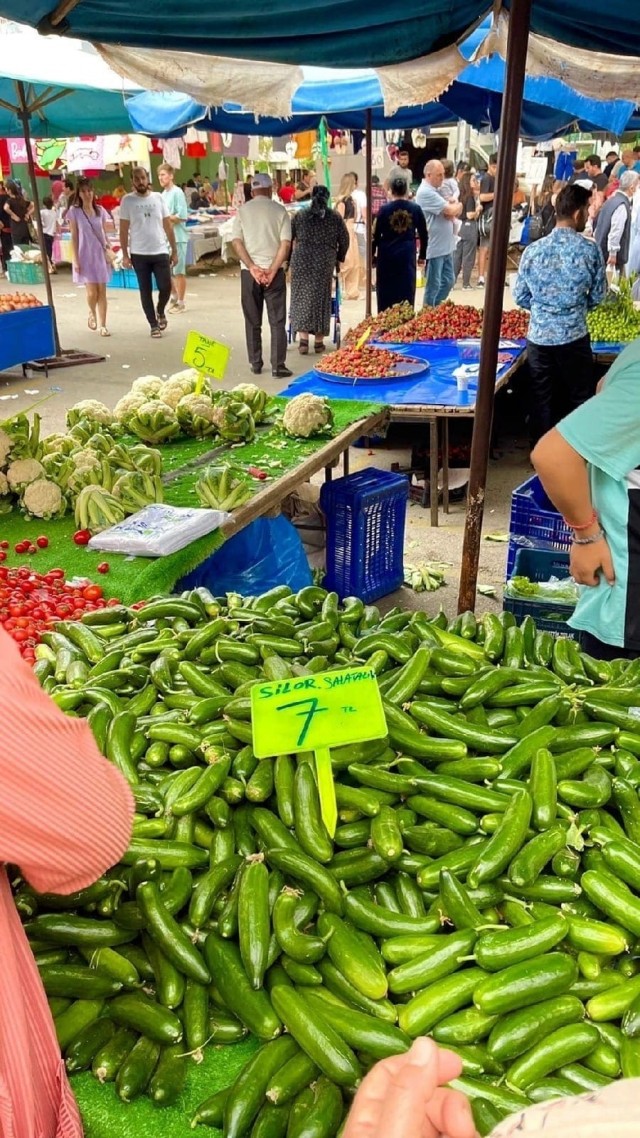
298, 460
432, 399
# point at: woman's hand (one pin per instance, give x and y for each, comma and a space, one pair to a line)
589, 562
405, 1097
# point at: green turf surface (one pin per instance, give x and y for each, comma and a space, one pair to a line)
105, 1116
134, 579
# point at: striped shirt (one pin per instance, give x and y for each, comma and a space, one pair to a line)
65, 818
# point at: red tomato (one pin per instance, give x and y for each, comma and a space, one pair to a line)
3, 555
103, 567
4, 544
21, 547
82, 536
42, 542
92, 592
31, 548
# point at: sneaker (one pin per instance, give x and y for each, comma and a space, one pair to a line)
467, 288
282, 372
173, 303
178, 308
480, 282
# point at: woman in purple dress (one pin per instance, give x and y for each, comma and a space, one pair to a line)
90, 246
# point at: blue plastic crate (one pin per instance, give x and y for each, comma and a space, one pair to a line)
365, 533
534, 517
541, 565
123, 278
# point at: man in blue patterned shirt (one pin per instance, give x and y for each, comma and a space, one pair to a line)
560, 278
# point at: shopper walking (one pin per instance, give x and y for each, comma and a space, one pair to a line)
348, 210
90, 252
145, 229
402, 169
261, 236
560, 278
64, 820
613, 224
6, 242
397, 227
49, 220
19, 210
320, 242
464, 254
440, 216
487, 195
176, 204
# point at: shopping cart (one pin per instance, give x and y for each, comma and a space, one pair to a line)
336, 333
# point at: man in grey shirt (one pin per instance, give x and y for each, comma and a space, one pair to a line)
401, 170
440, 216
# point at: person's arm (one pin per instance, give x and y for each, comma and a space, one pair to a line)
8, 209
171, 238
73, 227
485, 194
124, 241
341, 209
242, 254
521, 292
452, 209
614, 241
565, 478
423, 235
599, 286
66, 816
282, 255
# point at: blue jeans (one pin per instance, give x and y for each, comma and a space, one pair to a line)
440, 279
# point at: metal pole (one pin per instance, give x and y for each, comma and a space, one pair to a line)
368, 217
24, 116
519, 23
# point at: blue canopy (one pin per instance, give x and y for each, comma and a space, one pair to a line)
334, 33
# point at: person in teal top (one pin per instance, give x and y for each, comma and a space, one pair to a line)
589, 465
176, 203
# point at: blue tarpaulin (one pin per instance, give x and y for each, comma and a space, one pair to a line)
360, 33
435, 388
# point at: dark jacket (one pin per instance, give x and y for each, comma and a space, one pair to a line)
603, 226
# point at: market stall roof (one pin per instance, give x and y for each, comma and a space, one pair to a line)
69, 86
361, 33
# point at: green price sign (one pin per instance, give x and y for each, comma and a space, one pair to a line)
314, 713
206, 355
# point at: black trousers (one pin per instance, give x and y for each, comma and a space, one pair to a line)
254, 297
561, 379
147, 266
601, 651
6, 245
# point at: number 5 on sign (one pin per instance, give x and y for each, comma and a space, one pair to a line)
315, 713
206, 355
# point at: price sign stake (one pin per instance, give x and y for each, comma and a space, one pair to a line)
208, 356
364, 337
315, 713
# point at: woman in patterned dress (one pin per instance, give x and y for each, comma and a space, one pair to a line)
320, 242
397, 227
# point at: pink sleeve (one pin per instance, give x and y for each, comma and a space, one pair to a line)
65, 811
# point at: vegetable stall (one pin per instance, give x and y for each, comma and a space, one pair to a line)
26, 330
242, 967
111, 463
446, 342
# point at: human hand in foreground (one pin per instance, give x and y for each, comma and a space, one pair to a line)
588, 562
405, 1097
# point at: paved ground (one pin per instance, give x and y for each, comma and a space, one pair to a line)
213, 308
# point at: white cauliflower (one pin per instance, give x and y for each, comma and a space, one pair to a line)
195, 415
306, 415
182, 383
57, 444
129, 403
5, 446
85, 459
91, 410
4, 485
43, 499
23, 471
148, 385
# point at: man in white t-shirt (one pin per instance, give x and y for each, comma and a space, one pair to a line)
360, 198
261, 235
145, 229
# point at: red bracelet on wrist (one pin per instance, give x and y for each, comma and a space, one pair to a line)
592, 520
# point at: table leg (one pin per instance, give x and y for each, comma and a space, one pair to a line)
445, 464
345, 462
433, 468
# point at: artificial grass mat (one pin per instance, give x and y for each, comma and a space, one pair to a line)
104, 1115
138, 578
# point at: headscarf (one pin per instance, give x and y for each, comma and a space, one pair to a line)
319, 200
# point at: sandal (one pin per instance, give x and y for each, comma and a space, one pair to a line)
303, 347
156, 333
92, 323
162, 322
319, 346
104, 331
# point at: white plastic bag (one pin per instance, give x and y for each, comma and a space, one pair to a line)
158, 530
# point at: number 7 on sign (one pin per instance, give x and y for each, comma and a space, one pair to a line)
313, 709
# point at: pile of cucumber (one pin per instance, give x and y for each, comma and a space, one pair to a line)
483, 884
